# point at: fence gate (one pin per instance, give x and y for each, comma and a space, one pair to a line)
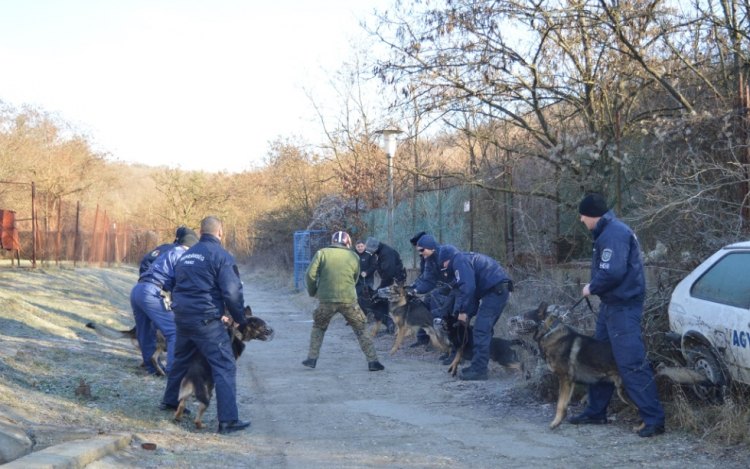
306, 244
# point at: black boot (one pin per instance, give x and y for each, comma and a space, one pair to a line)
422, 339
310, 362
375, 366
449, 357
233, 426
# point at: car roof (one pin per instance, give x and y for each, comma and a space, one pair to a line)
742, 245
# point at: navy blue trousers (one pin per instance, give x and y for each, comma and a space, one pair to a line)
490, 308
212, 340
151, 314
621, 325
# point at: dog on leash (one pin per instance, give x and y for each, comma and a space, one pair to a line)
370, 302
461, 337
198, 380
577, 358
411, 315
161, 342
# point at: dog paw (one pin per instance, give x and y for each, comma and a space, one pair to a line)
394, 350
638, 428
200, 425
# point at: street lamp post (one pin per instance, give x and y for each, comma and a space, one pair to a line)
389, 145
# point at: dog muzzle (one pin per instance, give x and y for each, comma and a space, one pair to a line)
386, 292
519, 325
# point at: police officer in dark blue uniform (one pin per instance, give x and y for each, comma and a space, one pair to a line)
154, 253
482, 289
618, 278
207, 281
390, 269
427, 282
149, 307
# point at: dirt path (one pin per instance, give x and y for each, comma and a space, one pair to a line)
410, 415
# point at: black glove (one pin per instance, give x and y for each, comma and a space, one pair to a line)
445, 290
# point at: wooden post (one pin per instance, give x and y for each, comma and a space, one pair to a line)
33, 225
618, 166
93, 236
117, 245
59, 231
125, 243
75, 237
103, 244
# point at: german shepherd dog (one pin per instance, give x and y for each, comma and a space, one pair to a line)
461, 337
161, 342
198, 380
577, 358
412, 315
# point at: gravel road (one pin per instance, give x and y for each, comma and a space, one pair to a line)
411, 415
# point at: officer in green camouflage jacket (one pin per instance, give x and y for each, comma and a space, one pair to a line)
331, 278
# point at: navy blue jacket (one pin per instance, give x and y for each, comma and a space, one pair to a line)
430, 276
149, 258
207, 280
617, 273
476, 275
390, 267
162, 269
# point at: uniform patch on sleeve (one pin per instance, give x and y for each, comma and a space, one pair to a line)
155, 253
458, 276
606, 255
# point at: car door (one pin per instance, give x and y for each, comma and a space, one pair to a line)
720, 299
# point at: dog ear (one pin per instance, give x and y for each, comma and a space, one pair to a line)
542, 310
248, 311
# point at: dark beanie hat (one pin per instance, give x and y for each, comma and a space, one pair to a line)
188, 238
447, 253
179, 233
593, 205
416, 237
428, 242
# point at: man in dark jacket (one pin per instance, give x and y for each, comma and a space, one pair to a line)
367, 266
482, 290
389, 266
391, 270
149, 258
618, 278
207, 282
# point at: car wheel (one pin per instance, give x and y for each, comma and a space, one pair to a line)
702, 360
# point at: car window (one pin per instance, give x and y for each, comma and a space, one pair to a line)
727, 282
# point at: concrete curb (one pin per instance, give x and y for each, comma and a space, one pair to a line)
72, 455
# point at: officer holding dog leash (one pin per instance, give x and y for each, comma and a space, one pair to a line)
207, 283
482, 290
618, 278
427, 282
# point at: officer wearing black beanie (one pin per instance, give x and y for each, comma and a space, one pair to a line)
618, 279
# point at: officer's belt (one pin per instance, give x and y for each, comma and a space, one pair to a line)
150, 280
502, 287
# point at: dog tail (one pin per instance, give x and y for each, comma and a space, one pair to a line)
682, 375
110, 333
194, 387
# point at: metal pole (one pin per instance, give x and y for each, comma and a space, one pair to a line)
390, 199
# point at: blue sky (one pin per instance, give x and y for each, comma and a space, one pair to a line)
199, 84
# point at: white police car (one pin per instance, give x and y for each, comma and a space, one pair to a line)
709, 316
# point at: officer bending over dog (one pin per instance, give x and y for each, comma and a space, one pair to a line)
618, 278
482, 289
207, 282
427, 282
330, 278
390, 269
149, 305
149, 258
